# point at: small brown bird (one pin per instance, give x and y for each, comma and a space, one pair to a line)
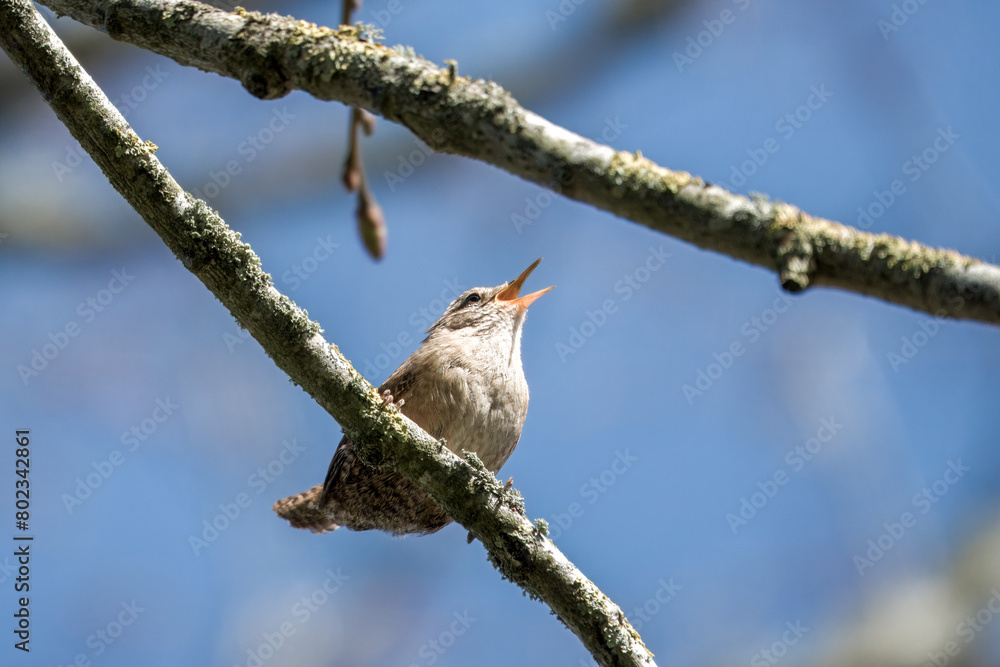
464, 384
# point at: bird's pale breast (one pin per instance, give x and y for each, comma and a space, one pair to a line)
472, 411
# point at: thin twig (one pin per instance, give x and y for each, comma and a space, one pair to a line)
371, 219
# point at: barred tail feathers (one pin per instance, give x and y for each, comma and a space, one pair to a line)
303, 511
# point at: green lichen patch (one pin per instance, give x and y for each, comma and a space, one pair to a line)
631, 172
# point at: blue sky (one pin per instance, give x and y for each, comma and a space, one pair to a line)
717, 519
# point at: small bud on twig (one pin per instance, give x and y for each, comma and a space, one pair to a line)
371, 224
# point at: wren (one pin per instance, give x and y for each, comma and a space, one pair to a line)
465, 385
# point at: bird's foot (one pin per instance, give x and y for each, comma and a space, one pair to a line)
387, 397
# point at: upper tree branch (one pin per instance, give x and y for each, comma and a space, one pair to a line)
272, 55
230, 269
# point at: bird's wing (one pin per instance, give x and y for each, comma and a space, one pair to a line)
345, 465
401, 381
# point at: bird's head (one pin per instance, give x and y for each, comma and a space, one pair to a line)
480, 310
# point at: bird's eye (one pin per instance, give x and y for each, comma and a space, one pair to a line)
472, 298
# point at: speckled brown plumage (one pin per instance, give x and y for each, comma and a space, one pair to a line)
464, 384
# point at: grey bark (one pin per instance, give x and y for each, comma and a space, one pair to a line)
272, 55
232, 271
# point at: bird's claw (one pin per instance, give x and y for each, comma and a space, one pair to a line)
387, 397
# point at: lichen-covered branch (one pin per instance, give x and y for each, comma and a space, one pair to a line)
231, 270
272, 55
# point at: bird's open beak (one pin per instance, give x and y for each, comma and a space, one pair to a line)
511, 292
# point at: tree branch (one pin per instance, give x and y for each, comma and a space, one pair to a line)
272, 55
230, 269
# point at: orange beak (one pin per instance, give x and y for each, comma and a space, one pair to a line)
511, 292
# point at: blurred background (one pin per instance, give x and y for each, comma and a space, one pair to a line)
827, 496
